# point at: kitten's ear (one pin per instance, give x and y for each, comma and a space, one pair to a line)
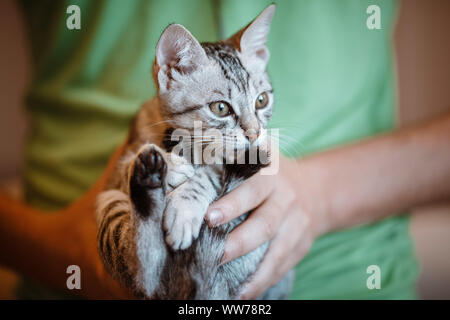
177, 53
251, 41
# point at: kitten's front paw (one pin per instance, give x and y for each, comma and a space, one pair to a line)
147, 181
182, 221
150, 168
180, 170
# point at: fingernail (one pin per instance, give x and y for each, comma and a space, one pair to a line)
215, 217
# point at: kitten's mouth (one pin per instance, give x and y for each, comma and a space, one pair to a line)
212, 147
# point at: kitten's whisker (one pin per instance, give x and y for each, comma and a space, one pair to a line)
287, 143
287, 152
157, 123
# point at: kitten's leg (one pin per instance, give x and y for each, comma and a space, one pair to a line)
115, 236
130, 237
187, 205
147, 188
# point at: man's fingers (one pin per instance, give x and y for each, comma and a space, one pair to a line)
282, 255
239, 201
269, 272
260, 227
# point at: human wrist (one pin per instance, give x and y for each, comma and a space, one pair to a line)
310, 194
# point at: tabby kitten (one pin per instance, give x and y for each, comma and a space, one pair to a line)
151, 233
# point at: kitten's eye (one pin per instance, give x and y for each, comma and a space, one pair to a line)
262, 100
220, 108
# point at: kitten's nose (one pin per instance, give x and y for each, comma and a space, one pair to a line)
252, 135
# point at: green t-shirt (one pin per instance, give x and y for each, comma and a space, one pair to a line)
333, 83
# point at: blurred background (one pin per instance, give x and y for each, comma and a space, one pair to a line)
423, 73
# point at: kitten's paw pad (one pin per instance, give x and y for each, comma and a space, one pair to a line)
150, 168
182, 225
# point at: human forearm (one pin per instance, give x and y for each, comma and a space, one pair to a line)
18, 228
340, 188
367, 181
42, 245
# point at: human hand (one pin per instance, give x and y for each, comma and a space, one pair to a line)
280, 215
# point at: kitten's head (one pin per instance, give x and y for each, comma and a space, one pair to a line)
224, 85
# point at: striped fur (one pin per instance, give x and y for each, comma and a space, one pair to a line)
116, 234
151, 233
